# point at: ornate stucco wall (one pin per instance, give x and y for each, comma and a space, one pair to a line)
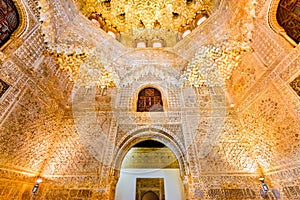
75, 136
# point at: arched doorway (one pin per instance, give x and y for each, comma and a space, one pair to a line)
149, 170
150, 196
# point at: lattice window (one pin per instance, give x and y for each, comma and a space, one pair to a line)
149, 100
9, 20
3, 87
292, 192
295, 84
288, 16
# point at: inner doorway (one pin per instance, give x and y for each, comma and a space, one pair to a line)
150, 196
150, 170
150, 188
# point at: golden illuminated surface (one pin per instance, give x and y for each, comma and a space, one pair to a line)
127, 15
150, 158
40, 134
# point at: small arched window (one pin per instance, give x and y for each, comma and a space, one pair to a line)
149, 100
3, 87
9, 20
288, 17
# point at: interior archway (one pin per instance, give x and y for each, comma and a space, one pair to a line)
151, 133
150, 196
149, 170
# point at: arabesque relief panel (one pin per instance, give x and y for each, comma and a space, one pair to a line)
273, 131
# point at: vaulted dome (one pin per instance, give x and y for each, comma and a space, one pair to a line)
144, 19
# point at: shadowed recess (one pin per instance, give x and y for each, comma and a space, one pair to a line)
149, 144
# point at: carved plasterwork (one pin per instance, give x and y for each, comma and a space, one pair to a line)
11, 188
18, 132
29, 54
68, 150
158, 158
288, 71
213, 62
126, 15
149, 65
131, 21
212, 186
260, 7
152, 74
275, 133
232, 152
76, 140
288, 180
72, 45
269, 50
245, 77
